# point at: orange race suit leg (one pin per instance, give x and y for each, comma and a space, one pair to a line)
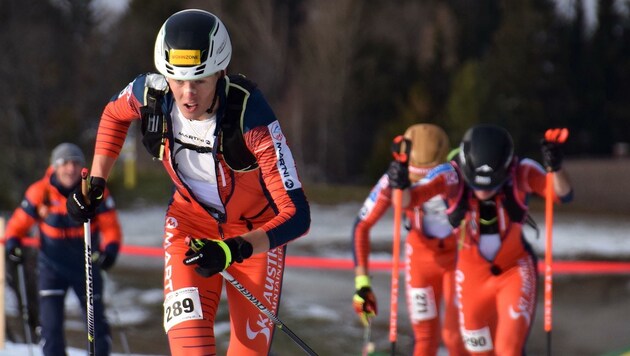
190, 312
496, 309
430, 271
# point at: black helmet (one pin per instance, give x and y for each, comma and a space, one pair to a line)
485, 156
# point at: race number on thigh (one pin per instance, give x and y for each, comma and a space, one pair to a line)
181, 305
422, 304
478, 340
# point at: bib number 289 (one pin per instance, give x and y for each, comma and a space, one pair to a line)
181, 305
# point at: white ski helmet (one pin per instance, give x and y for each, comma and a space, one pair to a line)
192, 44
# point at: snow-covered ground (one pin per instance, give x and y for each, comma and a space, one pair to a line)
11, 349
575, 236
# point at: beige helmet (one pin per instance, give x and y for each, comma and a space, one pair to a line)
429, 147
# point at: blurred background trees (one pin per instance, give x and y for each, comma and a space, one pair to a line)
344, 76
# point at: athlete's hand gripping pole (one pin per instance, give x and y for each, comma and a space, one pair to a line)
197, 244
364, 304
401, 148
89, 292
552, 158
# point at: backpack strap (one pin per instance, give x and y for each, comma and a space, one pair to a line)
230, 128
457, 211
153, 125
516, 210
232, 144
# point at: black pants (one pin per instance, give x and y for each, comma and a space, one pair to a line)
53, 288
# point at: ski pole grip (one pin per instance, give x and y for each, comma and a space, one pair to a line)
84, 185
195, 244
557, 135
401, 148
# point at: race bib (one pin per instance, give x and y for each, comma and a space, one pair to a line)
422, 304
478, 340
181, 305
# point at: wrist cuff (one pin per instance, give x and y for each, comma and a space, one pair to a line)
228, 253
97, 186
361, 281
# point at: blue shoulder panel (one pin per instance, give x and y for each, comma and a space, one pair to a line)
136, 87
444, 167
257, 112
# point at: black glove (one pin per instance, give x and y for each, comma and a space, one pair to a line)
552, 155
106, 258
14, 250
81, 210
214, 256
398, 174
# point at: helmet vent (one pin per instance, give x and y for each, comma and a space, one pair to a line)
199, 70
224, 59
169, 69
484, 169
483, 180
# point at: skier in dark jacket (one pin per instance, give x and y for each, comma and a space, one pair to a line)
61, 258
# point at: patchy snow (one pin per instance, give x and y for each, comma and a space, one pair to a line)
575, 236
11, 349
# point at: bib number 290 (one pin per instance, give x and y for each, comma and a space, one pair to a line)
181, 305
478, 340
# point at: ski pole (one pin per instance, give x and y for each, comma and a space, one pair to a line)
24, 300
548, 256
368, 344
196, 244
393, 312
258, 304
401, 156
89, 292
559, 136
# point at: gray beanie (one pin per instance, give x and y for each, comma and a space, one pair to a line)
66, 152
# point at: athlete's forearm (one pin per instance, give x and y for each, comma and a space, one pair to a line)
562, 184
102, 166
361, 271
259, 240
